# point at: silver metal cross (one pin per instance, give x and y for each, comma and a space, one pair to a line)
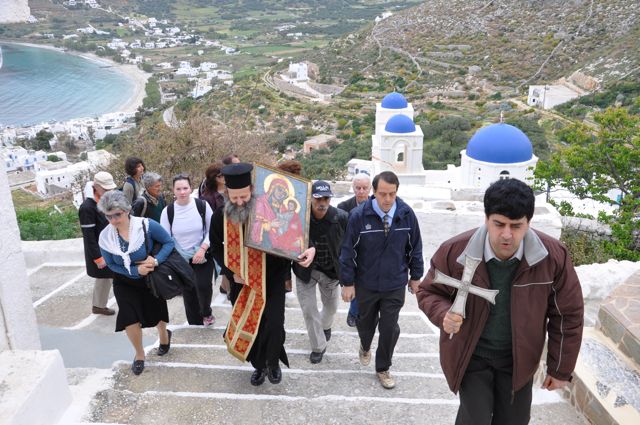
465, 287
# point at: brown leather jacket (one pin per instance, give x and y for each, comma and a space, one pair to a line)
546, 298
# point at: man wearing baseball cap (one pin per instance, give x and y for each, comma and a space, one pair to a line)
326, 228
92, 222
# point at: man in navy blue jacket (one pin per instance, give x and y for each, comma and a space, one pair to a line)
381, 250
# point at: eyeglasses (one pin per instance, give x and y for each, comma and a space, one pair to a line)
114, 215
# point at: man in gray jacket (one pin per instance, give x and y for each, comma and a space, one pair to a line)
326, 229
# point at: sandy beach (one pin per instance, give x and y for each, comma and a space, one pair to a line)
131, 72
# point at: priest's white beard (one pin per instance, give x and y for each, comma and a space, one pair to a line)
239, 214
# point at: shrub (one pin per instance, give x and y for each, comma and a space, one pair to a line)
47, 224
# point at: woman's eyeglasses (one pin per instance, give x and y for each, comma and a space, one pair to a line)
114, 215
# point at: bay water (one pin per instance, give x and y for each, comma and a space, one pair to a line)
38, 85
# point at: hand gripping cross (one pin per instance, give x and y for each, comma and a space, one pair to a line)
465, 287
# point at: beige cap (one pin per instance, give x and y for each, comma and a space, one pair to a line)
104, 180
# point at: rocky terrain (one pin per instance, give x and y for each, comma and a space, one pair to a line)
14, 11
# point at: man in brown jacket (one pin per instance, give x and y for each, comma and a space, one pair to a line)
495, 350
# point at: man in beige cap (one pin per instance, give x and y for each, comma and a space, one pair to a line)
92, 222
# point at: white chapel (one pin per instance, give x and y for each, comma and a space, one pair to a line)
495, 151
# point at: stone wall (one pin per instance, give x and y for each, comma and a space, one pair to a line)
14, 11
18, 320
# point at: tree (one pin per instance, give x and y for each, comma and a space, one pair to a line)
591, 164
41, 141
190, 148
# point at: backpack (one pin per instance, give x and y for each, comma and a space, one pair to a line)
202, 210
135, 206
133, 183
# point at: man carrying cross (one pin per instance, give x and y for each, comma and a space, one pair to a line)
489, 353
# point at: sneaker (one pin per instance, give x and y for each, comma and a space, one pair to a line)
386, 380
209, 320
365, 356
351, 320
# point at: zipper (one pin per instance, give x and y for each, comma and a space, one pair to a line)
520, 272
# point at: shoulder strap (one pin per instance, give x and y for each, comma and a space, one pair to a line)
144, 207
202, 210
132, 182
170, 217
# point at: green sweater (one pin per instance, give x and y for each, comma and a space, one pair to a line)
495, 341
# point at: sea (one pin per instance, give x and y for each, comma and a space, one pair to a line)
38, 85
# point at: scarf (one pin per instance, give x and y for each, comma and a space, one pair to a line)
153, 201
110, 241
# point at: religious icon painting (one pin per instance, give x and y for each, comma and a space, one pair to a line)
279, 219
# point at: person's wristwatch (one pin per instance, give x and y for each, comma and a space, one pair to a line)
155, 262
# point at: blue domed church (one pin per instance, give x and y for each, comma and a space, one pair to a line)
496, 151
397, 142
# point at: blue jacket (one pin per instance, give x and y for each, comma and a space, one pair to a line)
377, 262
155, 233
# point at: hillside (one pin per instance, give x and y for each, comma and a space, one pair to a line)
505, 43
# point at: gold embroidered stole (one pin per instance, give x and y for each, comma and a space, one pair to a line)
250, 264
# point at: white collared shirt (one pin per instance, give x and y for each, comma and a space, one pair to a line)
489, 254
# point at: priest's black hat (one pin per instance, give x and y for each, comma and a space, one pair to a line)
237, 176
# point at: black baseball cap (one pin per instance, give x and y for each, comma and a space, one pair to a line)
321, 189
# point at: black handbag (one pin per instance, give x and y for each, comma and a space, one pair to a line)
170, 277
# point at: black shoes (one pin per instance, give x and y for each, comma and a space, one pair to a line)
351, 320
257, 377
137, 367
274, 374
164, 348
327, 334
316, 357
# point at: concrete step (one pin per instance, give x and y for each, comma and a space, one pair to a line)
156, 407
44, 280
230, 408
298, 339
68, 306
362, 381
334, 358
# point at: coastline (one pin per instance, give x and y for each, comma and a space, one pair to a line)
131, 72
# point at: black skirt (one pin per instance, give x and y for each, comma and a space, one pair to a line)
136, 303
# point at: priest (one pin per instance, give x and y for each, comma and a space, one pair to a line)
255, 331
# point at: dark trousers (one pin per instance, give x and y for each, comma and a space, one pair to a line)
379, 309
197, 301
486, 397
